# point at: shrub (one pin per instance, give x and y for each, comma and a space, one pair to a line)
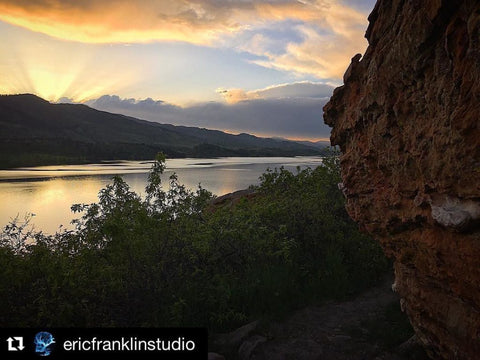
172, 260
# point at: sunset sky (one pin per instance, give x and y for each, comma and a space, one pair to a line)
260, 66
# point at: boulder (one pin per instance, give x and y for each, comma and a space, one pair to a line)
407, 121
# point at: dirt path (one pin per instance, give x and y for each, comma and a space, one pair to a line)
367, 327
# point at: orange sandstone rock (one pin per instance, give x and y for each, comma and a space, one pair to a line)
408, 123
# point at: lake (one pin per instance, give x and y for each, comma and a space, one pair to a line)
47, 192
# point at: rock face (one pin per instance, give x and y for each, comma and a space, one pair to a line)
408, 123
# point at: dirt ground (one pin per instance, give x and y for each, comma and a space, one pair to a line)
367, 327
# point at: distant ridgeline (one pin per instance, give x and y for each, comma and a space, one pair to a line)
36, 132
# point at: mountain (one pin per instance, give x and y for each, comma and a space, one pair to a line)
34, 131
321, 144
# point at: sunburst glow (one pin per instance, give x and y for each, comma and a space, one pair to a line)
184, 55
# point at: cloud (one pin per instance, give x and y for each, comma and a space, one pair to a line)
326, 47
147, 109
233, 96
323, 38
125, 20
303, 89
323, 57
276, 111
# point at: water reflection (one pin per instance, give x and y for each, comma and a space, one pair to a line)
49, 191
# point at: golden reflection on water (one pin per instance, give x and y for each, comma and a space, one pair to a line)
48, 201
48, 192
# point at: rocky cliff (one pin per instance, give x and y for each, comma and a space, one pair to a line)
408, 123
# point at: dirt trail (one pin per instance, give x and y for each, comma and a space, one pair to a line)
358, 329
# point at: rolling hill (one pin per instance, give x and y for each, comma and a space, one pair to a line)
34, 131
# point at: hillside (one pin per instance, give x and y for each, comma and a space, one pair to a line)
34, 131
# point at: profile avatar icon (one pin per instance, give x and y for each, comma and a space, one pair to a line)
44, 343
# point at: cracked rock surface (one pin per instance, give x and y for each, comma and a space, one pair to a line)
408, 123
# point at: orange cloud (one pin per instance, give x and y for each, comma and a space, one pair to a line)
320, 55
326, 53
232, 96
186, 20
124, 20
332, 32
302, 89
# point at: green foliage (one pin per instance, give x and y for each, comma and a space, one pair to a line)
175, 259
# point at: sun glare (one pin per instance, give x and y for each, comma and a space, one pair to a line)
48, 85
53, 69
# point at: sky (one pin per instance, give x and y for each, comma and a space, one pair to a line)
264, 67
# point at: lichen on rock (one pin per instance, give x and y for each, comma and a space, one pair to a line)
456, 213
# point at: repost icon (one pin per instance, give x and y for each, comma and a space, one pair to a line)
15, 343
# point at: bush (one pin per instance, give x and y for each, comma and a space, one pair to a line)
174, 259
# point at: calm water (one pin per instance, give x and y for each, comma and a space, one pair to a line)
49, 191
